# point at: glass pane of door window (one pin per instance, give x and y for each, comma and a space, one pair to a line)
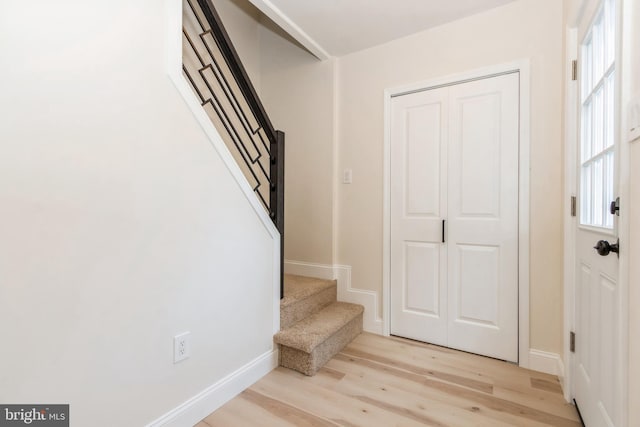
598, 192
587, 69
598, 121
587, 132
586, 205
610, 32
597, 161
609, 104
608, 186
597, 36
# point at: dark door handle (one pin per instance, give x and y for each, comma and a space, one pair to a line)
614, 207
443, 221
604, 248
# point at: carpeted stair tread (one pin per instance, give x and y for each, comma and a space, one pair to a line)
312, 331
314, 326
297, 288
305, 296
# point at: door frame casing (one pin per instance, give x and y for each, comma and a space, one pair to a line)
522, 67
570, 189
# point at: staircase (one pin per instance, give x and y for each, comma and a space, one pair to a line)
314, 326
213, 68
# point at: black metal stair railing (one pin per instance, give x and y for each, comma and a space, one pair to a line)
214, 70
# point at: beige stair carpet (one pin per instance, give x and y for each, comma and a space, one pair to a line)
304, 296
313, 341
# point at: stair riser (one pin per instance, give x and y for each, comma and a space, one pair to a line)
309, 363
306, 307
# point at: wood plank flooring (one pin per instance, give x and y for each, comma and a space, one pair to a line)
379, 381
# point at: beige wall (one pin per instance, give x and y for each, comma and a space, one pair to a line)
297, 91
121, 226
524, 29
241, 20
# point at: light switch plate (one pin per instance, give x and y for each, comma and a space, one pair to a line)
347, 176
634, 120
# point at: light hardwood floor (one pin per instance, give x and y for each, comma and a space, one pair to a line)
378, 381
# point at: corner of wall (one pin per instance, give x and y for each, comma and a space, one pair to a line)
544, 361
213, 397
335, 214
342, 273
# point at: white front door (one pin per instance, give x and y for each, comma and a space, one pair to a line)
597, 391
454, 216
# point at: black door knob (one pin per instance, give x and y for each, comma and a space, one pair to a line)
604, 248
614, 207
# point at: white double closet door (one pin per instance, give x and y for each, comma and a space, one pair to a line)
454, 216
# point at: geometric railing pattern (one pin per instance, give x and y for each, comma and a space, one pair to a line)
213, 68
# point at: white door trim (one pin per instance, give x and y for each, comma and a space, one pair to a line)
570, 189
625, 77
522, 67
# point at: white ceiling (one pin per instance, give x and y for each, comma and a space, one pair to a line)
339, 27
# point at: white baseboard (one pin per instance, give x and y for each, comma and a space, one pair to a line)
549, 363
342, 273
321, 271
216, 395
560, 373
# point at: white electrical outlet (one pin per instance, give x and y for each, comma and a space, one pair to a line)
181, 347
